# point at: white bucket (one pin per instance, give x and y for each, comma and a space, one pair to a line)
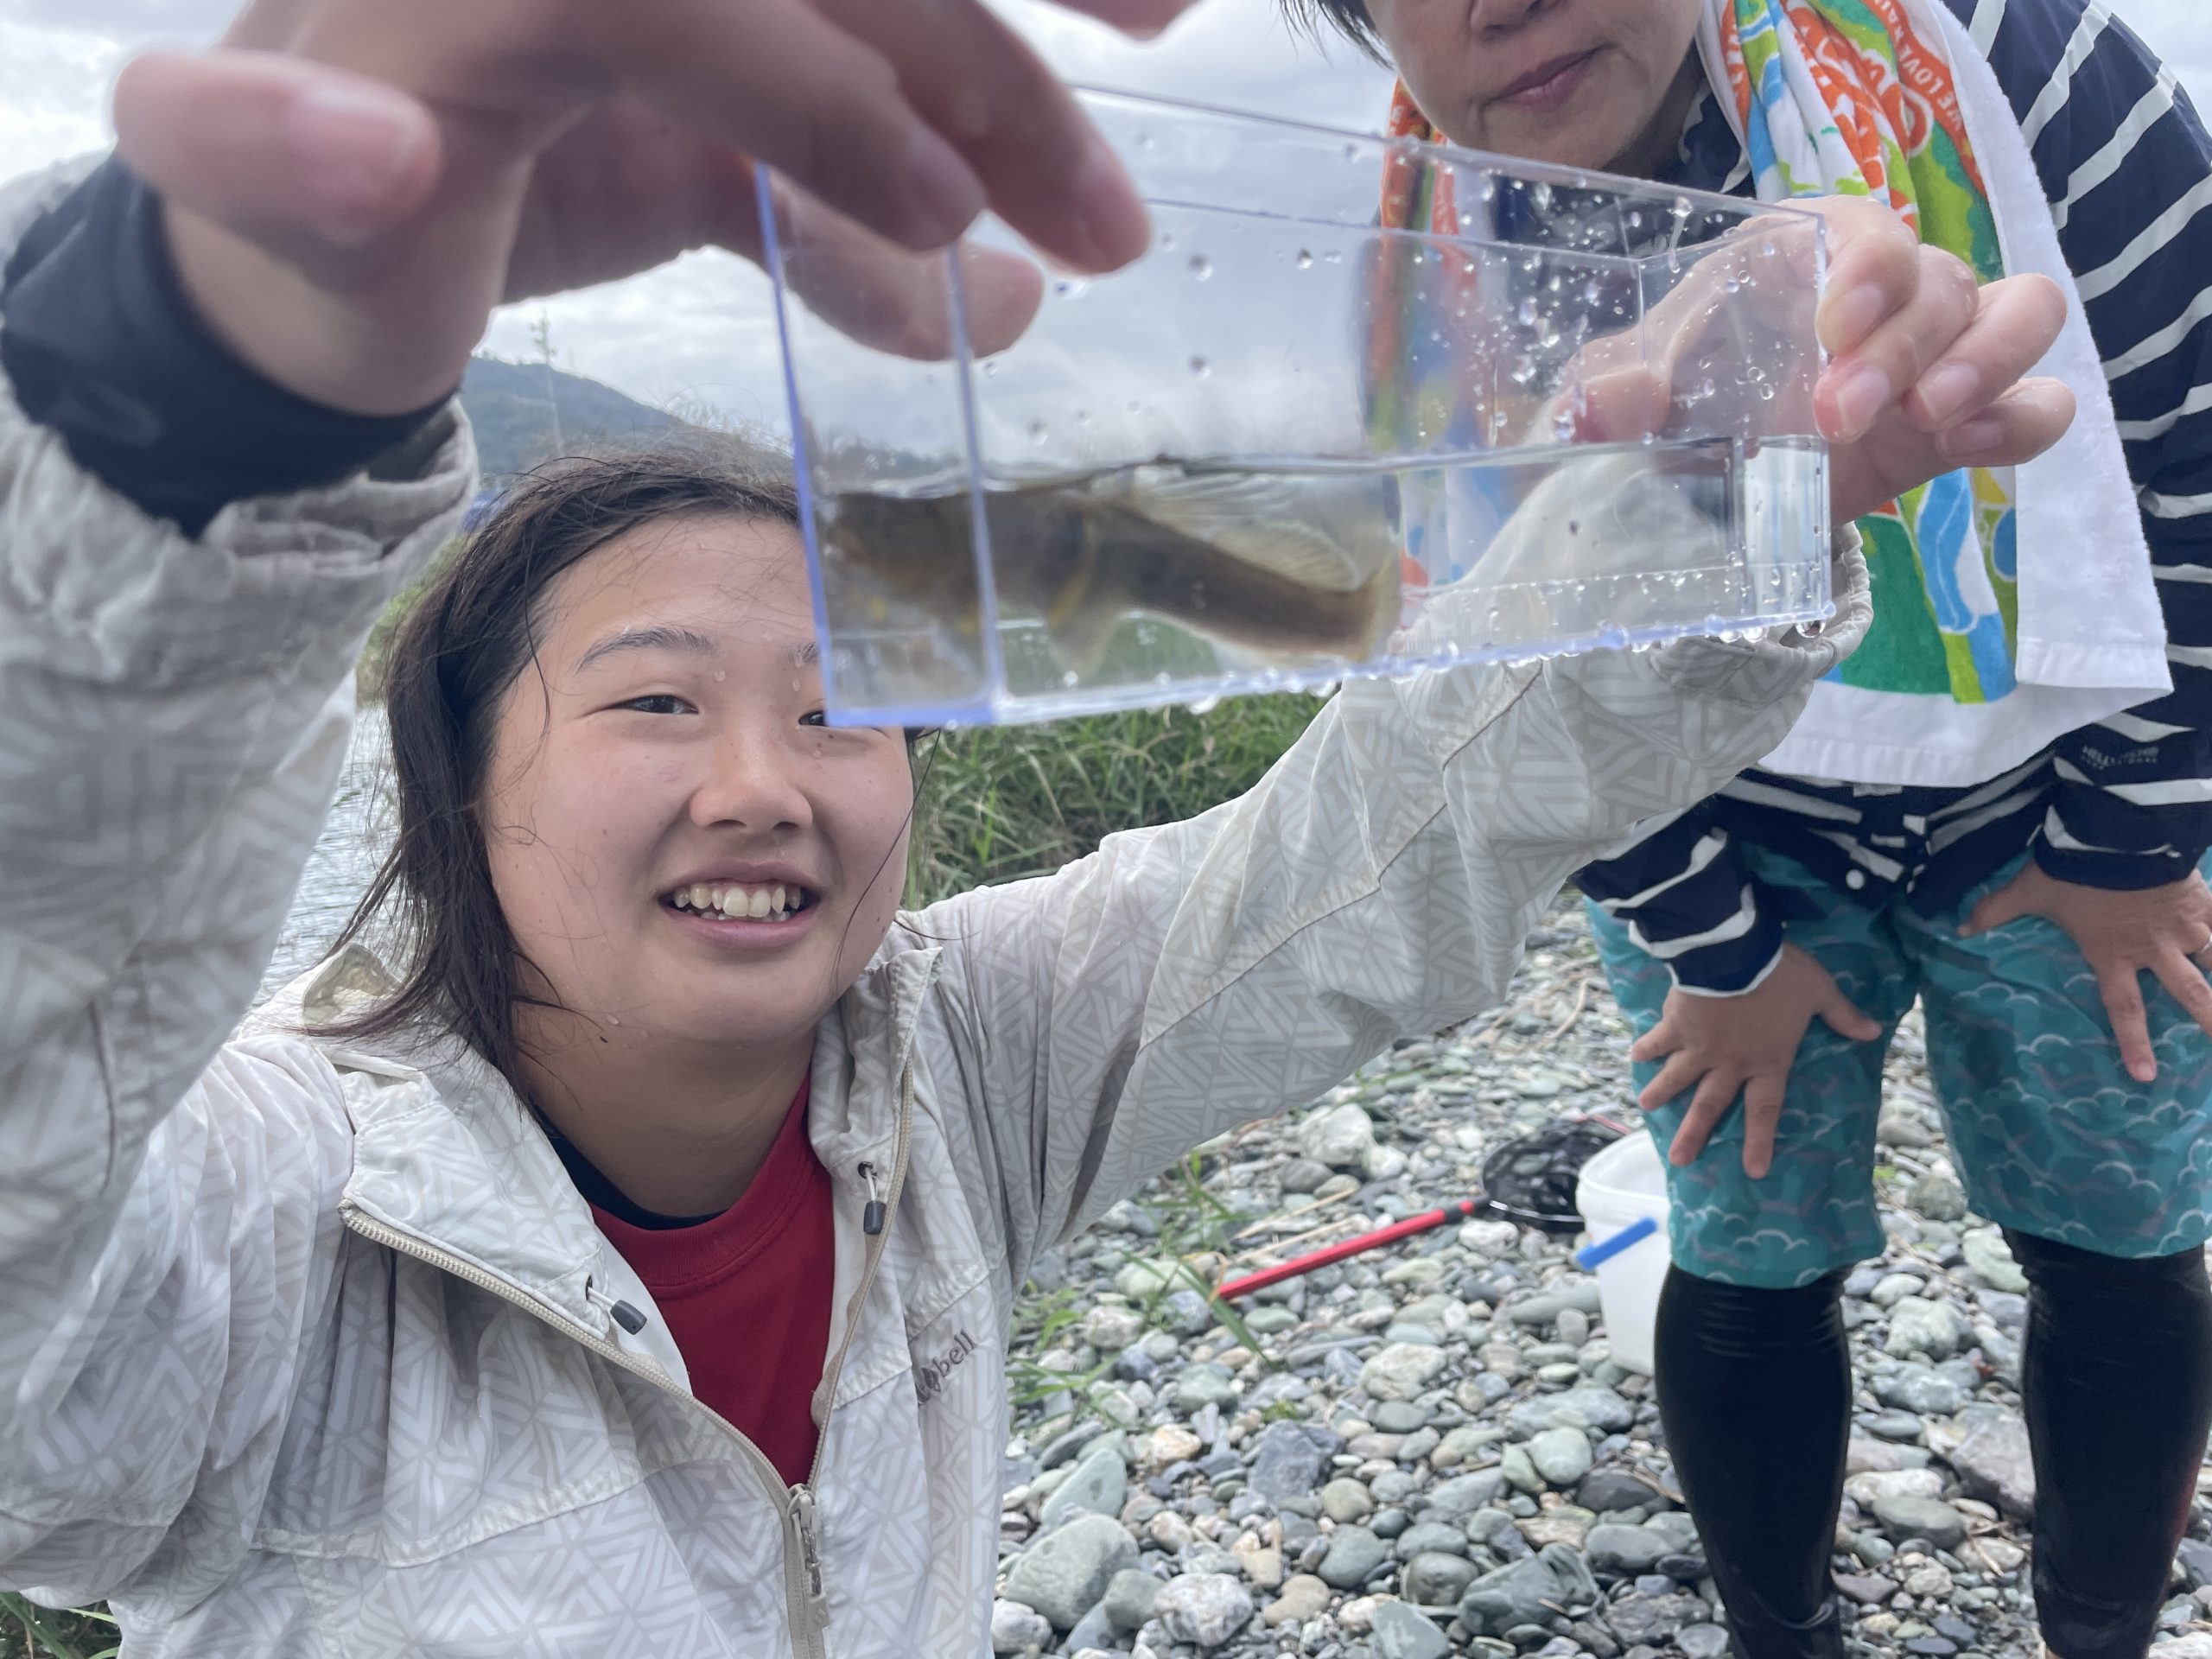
1622, 1186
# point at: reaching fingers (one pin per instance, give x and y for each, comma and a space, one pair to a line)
2014, 325
1048, 172
1865, 381
1715, 1095
895, 300
1996, 908
2184, 980
2015, 429
1143, 18
276, 148
1874, 271
1763, 1097
1675, 1076
2123, 999
1847, 1019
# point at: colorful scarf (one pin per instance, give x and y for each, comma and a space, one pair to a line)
1837, 98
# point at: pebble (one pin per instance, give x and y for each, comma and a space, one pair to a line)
1338, 1138
1303, 1597
1919, 1325
1435, 1579
1626, 1550
1404, 1632
1129, 1598
1354, 1552
1993, 1463
1206, 1384
1063, 1572
1204, 1609
1991, 1258
1906, 1516
1346, 1499
1562, 1456
1017, 1629
1402, 1370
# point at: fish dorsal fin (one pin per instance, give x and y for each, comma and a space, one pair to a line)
1322, 538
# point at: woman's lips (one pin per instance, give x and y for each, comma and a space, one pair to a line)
1549, 86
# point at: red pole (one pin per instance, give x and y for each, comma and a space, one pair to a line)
1460, 1211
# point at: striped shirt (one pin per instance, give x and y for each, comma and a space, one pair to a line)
2126, 802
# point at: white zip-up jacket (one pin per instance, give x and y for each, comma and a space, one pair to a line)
305, 1351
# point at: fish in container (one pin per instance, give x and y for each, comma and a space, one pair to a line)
1365, 405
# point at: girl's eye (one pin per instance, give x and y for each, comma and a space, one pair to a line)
814, 717
658, 702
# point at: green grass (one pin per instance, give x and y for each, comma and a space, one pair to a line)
28, 1632
1002, 802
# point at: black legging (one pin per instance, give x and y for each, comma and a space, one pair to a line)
2116, 1380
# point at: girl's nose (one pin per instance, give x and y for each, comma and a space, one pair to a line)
752, 782
1502, 16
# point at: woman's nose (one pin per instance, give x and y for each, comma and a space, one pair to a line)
1502, 17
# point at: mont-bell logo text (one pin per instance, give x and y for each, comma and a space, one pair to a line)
931, 1374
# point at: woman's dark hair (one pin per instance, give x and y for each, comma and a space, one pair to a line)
464, 641
1349, 18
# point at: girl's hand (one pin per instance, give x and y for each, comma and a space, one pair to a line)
352, 185
2162, 931
1724, 1044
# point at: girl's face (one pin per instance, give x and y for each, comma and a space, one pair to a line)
1582, 83
681, 847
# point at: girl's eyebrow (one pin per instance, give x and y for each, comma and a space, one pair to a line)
652, 638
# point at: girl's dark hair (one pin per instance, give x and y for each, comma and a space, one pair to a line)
464, 641
1349, 18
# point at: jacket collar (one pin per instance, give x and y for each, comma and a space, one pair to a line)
447, 1154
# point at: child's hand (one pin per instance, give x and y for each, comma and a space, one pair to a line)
353, 185
1722, 1045
2162, 931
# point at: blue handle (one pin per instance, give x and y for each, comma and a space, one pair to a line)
1629, 1237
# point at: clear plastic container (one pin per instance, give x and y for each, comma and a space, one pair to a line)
1287, 445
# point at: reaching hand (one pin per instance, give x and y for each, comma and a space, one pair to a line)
1926, 370
352, 185
1724, 1045
2162, 931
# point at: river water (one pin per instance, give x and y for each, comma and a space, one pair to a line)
345, 856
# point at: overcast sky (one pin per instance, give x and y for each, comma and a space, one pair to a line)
698, 334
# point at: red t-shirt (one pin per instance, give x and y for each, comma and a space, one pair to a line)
746, 1295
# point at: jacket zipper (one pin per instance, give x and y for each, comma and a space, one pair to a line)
806, 1602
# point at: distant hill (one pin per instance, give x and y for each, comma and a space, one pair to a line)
508, 405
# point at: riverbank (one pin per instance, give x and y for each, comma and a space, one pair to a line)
1430, 1449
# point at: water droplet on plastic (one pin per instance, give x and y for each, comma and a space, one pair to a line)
1334, 255
1038, 432
1541, 197
1527, 312
1201, 268
1071, 679
1200, 367
990, 367
1167, 238
1305, 259
1203, 705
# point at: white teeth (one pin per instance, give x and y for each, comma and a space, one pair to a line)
758, 904
776, 906
700, 897
733, 901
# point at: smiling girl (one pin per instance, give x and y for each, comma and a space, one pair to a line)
625, 1265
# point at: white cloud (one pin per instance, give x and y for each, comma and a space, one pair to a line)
699, 333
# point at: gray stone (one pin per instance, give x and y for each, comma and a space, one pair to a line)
1703, 1642
1339, 1137
1920, 1388
1520, 1470
2195, 1560
1988, 1255
1354, 1552
1994, 1466
1145, 1278
1869, 1589
1098, 1486
1129, 1598
1625, 1549
1614, 1488
1594, 1408
1345, 1499
1185, 1313
1302, 1175
1094, 1632
1918, 1324
1403, 1632
1287, 1458
1937, 1197
1900, 1426
1204, 1384
1204, 1609
1402, 1370
1904, 1516
1424, 1536
1400, 1416
1435, 1579
1064, 1571
1017, 1629
1562, 1455
1642, 1620
1521, 1593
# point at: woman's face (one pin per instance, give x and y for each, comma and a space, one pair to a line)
1582, 83
679, 843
